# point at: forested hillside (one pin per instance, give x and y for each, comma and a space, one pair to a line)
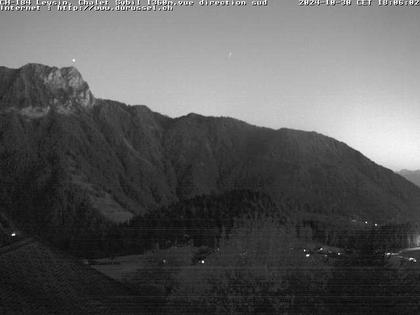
71, 165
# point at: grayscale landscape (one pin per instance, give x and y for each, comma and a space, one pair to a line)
273, 170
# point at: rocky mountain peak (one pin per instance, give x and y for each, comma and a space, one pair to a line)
36, 88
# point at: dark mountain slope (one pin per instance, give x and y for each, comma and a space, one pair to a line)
224, 154
57, 139
412, 176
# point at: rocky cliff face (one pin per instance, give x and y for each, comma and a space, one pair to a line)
34, 89
129, 159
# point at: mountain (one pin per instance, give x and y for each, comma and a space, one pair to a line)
412, 176
70, 162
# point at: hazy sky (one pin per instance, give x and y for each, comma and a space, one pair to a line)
350, 73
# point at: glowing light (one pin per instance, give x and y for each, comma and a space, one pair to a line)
13, 234
308, 255
73, 60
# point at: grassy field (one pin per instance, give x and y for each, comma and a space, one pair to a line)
121, 267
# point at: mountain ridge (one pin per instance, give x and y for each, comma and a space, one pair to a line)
126, 160
412, 176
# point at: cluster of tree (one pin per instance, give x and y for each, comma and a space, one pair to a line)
204, 220
200, 221
254, 271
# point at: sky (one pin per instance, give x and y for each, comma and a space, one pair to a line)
351, 73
